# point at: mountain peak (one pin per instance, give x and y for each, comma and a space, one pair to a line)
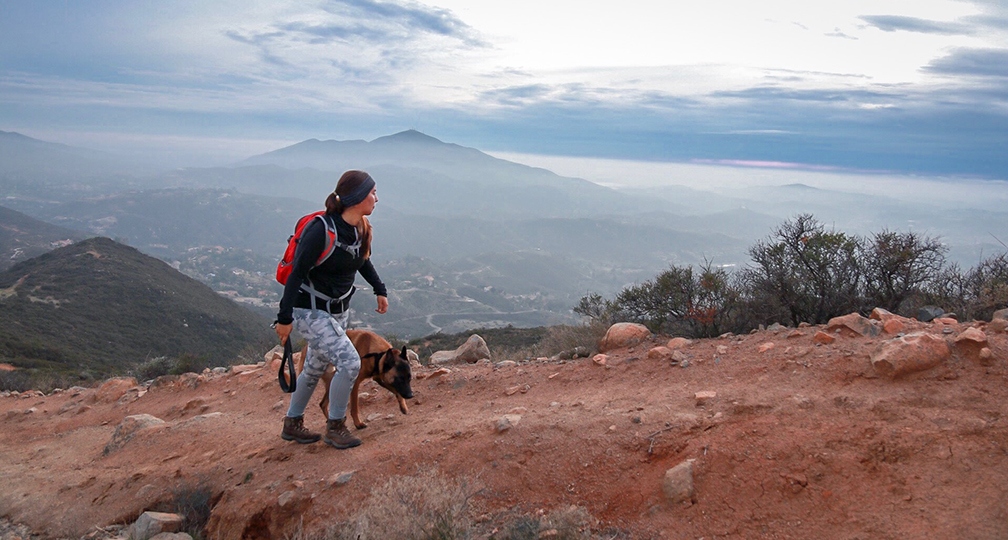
410, 135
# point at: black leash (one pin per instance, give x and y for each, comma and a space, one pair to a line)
288, 360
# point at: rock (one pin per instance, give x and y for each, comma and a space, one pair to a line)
795, 334
341, 479
998, 325
679, 357
472, 351
910, 354
894, 326
823, 338
413, 358
722, 349
129, 428
195, 406
679, 342
513, 390
972, 335
113, 389
622, 335
150, 524
571, 354
442, 357
219, 370
704, 397
439, 372
172, 536
276, 353
945, 320
766, 346
238, 369
929, 313
986, 357
147, 494
1001, 314
507, 422
684, 364
804, 325
518, 410
278, 405
678, 483
659, 353
854, 325
600, 359
507, 364
971, 341
373, 416
775, 327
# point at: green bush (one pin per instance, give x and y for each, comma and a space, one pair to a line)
807, 273
900, 266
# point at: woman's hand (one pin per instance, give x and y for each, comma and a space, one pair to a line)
283, 330
382, 304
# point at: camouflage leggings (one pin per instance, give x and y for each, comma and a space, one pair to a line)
327, 344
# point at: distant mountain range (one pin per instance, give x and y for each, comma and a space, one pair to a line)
461, 237
98, 307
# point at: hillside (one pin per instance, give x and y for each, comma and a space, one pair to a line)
23, 237
98, 307
799, 440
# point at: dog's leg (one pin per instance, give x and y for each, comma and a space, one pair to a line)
326, 380
402, 404
354, 405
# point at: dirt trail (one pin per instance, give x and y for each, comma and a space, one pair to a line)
802, 441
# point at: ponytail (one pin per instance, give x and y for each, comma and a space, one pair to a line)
333, 205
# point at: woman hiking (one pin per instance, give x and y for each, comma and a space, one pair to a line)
316, 300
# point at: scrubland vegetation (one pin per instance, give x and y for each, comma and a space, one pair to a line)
806, 272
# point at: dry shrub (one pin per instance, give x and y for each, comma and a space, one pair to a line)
568, 523
423, 506
562, 341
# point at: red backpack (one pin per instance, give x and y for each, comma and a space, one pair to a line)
286, 264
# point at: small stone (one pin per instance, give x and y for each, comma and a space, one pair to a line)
373, 416
684, 364
722, 349
612, 428
766, 346
679, 342
659, 353
998, 325
506, 364
894, 326
703, 397
972, 335
986, 357
513, 390
507, 422
775, 327
795, 334
340, 479
678, 483
600, 359
554, 404
278, 405
679, 357
823, 338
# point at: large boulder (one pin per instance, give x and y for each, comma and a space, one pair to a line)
971, 341
128, 428
472, 351
113, 389
853, 325
622, 335
929, 313
1000, 314
150, 524
910, 354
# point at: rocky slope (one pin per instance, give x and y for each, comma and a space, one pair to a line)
804, 438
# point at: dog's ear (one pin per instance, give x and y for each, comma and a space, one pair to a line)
389, 358
403, 353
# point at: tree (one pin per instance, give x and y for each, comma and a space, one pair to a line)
899, 265
809, 273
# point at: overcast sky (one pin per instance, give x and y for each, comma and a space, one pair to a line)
907, 86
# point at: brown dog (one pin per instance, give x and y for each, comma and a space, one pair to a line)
380, 361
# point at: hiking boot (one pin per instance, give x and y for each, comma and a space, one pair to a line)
339, 436
294, 430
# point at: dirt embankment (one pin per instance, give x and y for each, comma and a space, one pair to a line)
802, 440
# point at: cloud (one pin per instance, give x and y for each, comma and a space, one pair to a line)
411, 15
839, 34
972, 62
893, 23
826, 95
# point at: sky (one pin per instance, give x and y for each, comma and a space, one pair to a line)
907, 86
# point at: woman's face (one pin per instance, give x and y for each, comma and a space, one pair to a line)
369, 202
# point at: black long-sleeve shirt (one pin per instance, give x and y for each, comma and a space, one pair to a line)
334, 277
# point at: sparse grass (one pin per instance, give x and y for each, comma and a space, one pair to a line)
423, 506
33, 379
193, 501
567, 523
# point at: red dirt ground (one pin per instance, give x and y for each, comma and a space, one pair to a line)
802, 441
